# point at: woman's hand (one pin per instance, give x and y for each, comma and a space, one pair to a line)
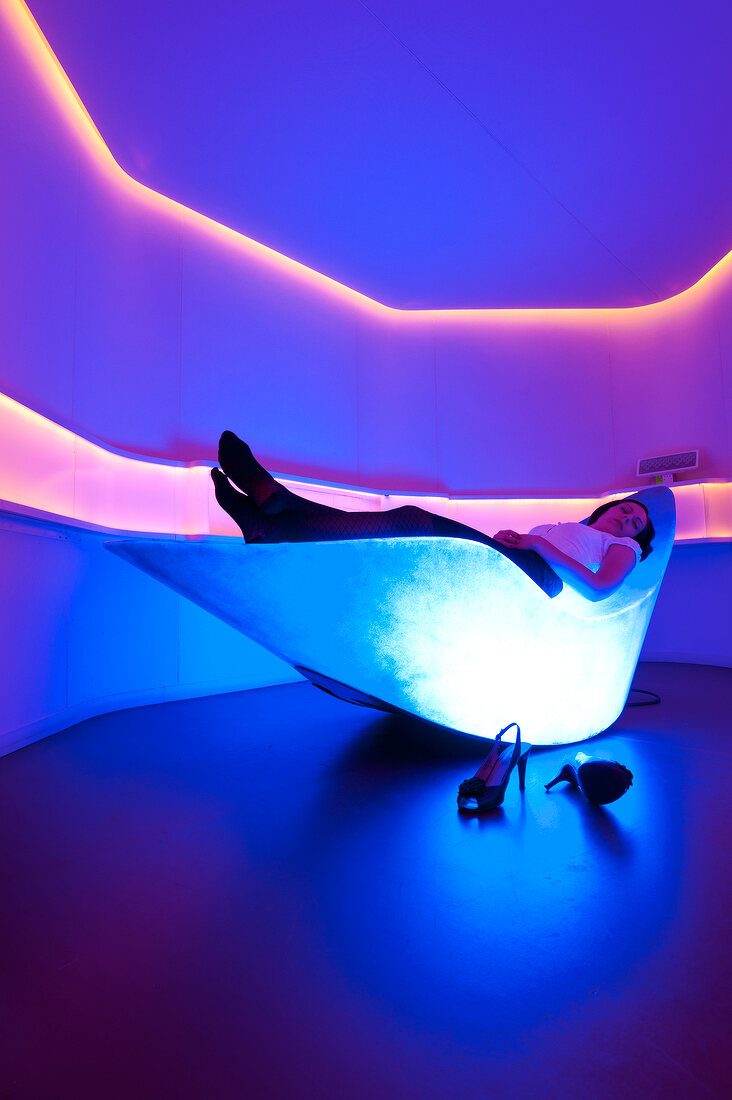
515, 540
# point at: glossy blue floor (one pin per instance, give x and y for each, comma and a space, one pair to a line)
271, 894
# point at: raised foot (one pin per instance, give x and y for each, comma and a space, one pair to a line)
240, 465
248, 518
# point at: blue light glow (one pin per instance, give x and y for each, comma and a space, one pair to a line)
447, 629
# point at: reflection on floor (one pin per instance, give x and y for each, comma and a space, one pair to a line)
271, 894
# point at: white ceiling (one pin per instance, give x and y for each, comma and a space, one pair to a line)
431, 154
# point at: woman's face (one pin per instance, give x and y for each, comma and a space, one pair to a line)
626, 519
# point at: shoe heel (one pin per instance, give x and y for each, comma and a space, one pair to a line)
566, 775
522, 769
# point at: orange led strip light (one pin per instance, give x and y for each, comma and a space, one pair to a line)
56, 472
52, 76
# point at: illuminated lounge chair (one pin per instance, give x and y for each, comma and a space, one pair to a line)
444, 629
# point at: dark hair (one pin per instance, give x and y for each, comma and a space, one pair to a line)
644, 537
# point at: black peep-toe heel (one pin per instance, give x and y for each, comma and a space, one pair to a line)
487, 788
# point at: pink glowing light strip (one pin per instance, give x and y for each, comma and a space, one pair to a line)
48, 468
59, 88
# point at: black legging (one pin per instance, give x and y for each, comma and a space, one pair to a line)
266, 511
305, 521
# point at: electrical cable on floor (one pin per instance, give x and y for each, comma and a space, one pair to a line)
639, 691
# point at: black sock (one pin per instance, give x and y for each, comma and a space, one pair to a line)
240, 465
251, 522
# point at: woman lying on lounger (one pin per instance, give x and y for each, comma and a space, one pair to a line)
594, 558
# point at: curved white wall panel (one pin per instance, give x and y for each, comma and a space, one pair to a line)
133, 330
149, 326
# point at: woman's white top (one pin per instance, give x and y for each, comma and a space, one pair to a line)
585, 544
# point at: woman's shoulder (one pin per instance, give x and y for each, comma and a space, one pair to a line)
613, 540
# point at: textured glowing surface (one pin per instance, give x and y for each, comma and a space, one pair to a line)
446, 629
74, 115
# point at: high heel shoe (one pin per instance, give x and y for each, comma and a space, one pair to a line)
486, 789
601, 781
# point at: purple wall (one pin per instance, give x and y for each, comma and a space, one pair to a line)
137, 327
153, 336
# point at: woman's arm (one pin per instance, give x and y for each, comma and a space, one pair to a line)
618, 562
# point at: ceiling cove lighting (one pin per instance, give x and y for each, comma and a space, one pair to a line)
60, 90
48, 468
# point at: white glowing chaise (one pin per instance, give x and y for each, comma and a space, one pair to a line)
445, 629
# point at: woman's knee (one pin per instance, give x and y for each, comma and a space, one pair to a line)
409, 511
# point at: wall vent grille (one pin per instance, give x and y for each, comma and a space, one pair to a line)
668, 465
